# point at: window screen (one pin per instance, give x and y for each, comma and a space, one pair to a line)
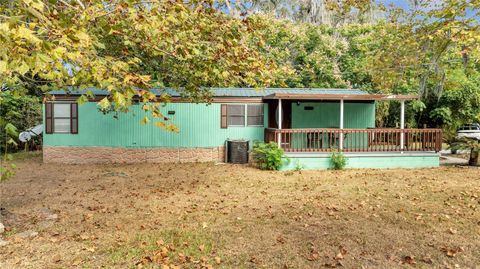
254, 115
236, 115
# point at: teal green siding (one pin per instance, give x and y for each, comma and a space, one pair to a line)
393, 161
327, 115
199, 126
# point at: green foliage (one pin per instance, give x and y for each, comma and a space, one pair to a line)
311, 55
471, 144
18, 113
7, 171
466, 143
298, 166
129, 47
338, 160
268, 156
442, 115
417, 106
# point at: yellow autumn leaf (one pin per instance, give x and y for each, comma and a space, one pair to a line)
4, 27
145, 120
104, 103
83, 37
3, 67
27, 34
160, 124
23, 68
119, 99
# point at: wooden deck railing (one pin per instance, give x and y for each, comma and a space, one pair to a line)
356, 140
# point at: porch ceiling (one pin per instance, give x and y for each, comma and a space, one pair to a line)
357, 97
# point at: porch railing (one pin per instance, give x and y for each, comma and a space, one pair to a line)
356, 140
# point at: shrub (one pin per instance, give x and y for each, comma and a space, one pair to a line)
470, 144
267, 155
298, 166
338, 160
18, 112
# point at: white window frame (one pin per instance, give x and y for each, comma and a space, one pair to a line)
55, 118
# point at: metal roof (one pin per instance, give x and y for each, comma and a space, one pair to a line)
348, 96
233, 92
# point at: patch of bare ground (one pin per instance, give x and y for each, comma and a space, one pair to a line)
232, 216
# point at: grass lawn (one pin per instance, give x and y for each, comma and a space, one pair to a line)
230, 216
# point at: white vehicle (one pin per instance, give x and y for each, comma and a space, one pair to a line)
31, 132
469, 131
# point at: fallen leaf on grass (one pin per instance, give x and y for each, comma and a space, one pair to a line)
451, 252
427, 260
57, 258
339, 256
164, 251
254, 260
182, 258
90, 249
313, 256
84, 236
218, 260
77, 262
409, 260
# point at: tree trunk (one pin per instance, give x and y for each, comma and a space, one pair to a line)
474, 157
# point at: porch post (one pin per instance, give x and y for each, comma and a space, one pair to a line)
340, 142
402, 124
280, 123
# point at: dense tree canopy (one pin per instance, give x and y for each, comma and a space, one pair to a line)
128, 47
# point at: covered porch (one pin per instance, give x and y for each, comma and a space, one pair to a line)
322, 123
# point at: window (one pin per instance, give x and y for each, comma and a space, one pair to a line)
237, 115
61, 118
254, 115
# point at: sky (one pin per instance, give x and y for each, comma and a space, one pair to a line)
400, 3
406, 4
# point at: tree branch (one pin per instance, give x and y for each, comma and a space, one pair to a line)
80, 3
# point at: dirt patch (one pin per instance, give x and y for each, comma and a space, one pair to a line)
200, 215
